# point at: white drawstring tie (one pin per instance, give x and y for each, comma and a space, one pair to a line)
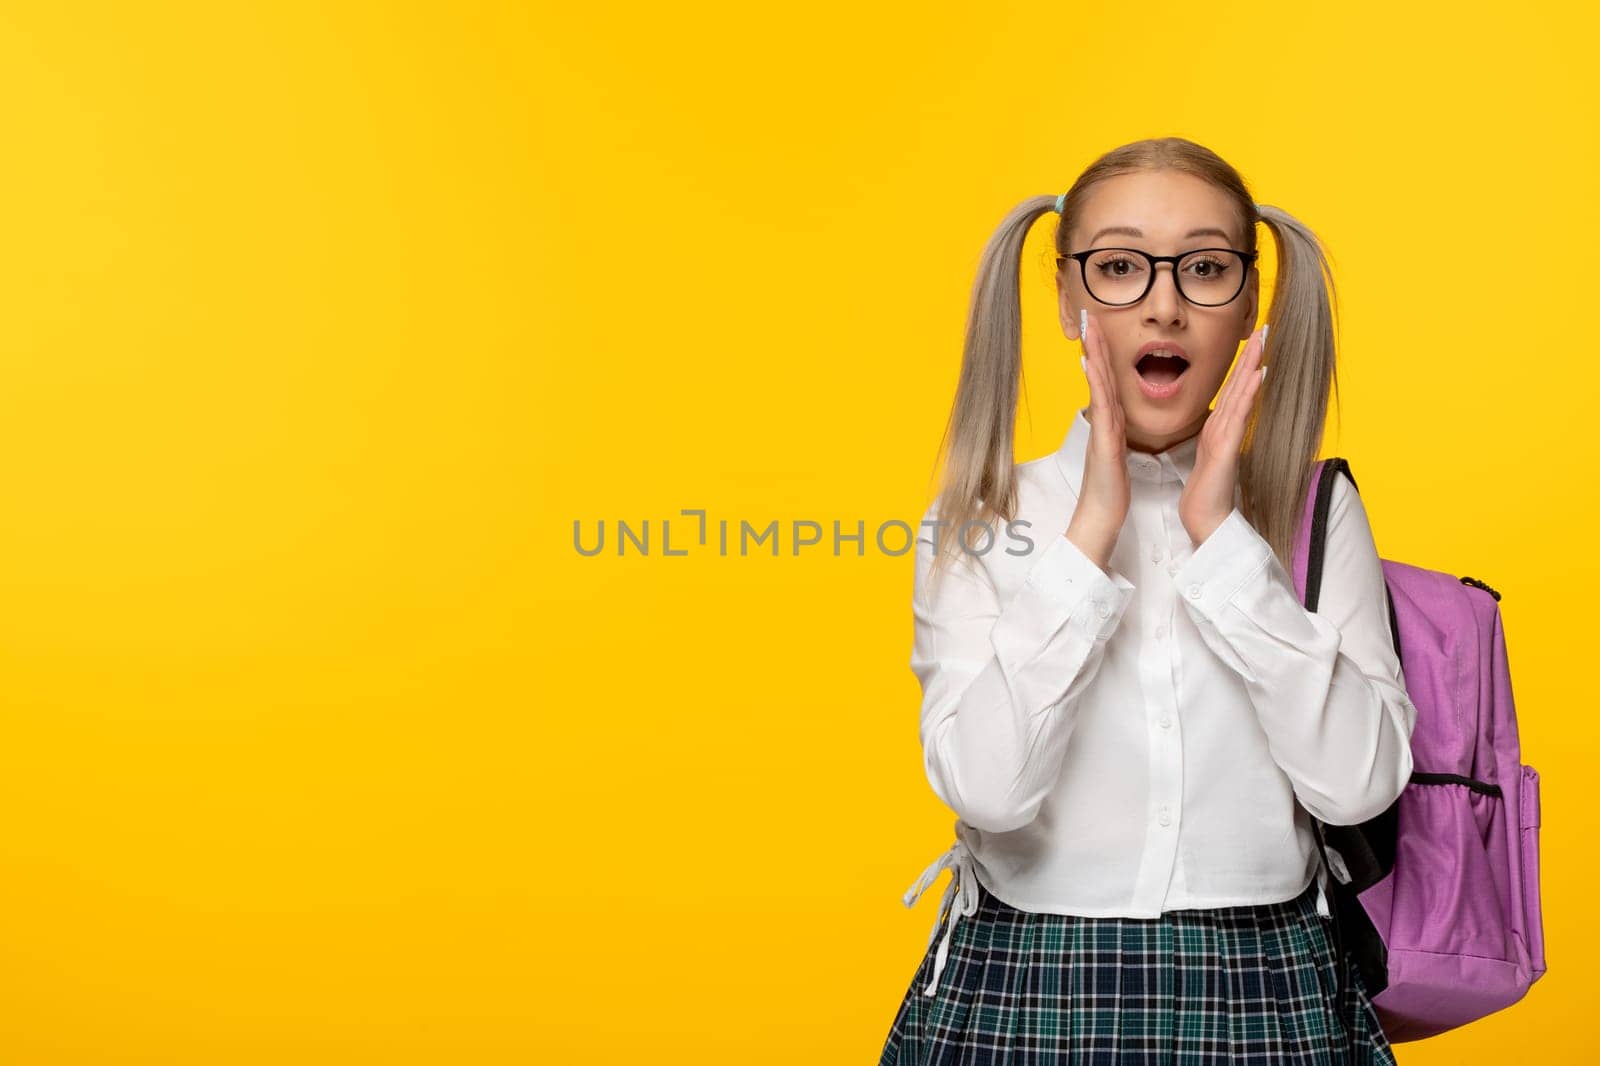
963, 886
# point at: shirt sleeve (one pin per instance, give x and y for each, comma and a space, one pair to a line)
1326, 685
1000, 682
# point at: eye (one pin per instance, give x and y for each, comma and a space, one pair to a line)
1116, 266
1206, 267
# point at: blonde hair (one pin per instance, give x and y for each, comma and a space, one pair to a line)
1285, 430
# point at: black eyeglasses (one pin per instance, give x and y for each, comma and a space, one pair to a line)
1208, 277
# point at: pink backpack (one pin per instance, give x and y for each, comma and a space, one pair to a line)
1437, 899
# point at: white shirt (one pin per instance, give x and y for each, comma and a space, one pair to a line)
1151, 738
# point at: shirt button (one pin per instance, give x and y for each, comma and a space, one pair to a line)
1166, 722
1194, 592
1166, 818
1155, 554
1161, 631
1102, 609
1172, 569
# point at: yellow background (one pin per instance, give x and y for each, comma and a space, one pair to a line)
323, 323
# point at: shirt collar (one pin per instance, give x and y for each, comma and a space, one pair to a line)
1173, 465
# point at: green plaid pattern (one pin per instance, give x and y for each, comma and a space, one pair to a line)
1247, 984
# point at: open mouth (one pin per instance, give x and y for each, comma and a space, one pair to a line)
1161, 368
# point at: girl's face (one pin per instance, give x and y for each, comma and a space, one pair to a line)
1161, 213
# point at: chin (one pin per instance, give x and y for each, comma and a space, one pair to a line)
1160, 421
1160, 430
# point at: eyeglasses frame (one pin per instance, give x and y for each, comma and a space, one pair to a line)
1155, 260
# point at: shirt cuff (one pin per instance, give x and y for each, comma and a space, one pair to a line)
1220, 566
1064, 586
1102, 595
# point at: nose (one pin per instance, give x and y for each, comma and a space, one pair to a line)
1163, 303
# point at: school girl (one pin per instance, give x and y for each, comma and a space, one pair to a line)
1125, 703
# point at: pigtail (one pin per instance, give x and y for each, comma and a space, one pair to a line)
1285, 431
979, 483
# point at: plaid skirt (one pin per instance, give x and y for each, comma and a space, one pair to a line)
1246, 984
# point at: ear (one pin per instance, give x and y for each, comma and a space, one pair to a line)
1069, 314
1252, 308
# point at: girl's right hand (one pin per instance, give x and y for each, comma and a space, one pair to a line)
1104, 497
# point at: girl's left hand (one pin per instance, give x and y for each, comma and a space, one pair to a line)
1207, 498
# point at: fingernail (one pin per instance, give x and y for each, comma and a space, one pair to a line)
1264, 335
1083, 361
1263, 375
1083, 326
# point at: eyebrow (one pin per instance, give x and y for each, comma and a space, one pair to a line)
1130, 231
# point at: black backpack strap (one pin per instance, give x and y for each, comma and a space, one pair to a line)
1367, 849
1331, 469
